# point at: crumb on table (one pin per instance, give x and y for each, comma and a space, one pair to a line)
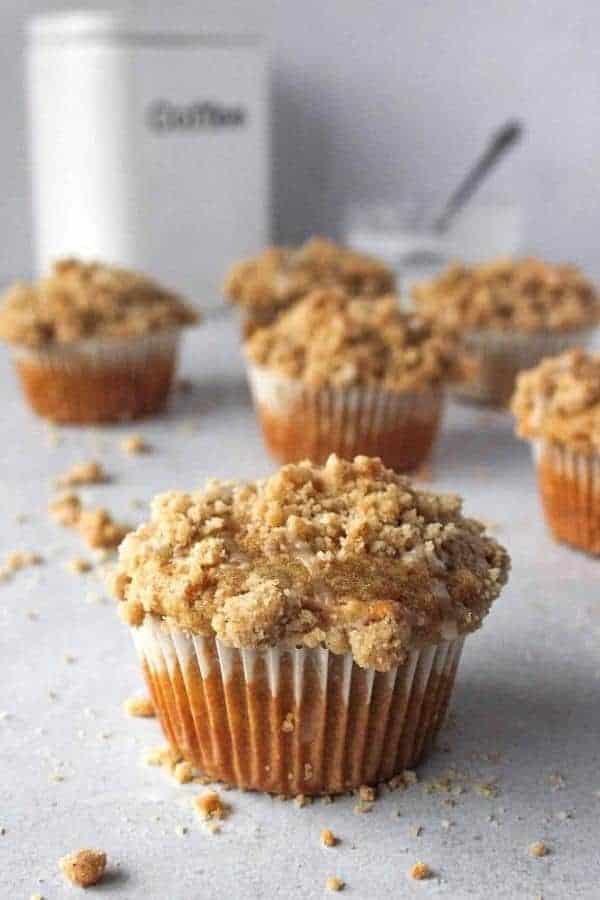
91, 472
135, 444
328, 838
334, 883
139, 707
95, 525
420, 871
210, 806
84, 867
17, 560
79, 566
538, 849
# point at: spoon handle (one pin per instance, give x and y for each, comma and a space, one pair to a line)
501, 142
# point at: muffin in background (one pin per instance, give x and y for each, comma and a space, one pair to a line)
274, 280
512, 313
557, 407
93, 343
301, 634
340, 374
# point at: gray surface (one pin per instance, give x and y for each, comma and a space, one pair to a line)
528, 689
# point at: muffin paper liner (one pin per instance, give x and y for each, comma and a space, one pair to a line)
500, 357
569, 482
99, 380
301, 422
293, 721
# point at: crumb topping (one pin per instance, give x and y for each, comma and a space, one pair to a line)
134, 445
525, 295
84, 868
139, 707
560, 400
349, 556
88, 300
280, 276
91, 472
96, 526
330, 337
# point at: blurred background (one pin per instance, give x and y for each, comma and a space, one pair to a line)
379, 103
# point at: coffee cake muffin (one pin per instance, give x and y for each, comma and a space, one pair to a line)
513, 313
340, 374
301, 634
557, 407
93, 343
270, 283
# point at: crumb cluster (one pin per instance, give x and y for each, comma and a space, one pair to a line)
96, 526
332, 338
88, 300
17, 560
560, 400
281, 275
210, 806
91, 472
524, 295
350, 556
84, 867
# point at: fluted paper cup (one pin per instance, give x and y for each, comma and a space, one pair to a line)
498, 358
99, 380
293, 721
569, 482
300, 422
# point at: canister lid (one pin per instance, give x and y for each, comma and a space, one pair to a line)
108, 25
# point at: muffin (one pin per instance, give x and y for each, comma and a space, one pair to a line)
513, 314
93, 343
557, 407
301, 634
340, 374
270, 283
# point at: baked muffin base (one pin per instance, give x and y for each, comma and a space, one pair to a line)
99, 381
299, 422
569, 483
293, 721
499, 358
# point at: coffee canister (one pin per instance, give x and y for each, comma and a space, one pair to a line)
149, 146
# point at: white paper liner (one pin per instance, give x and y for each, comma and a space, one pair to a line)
500, 357
225, 710
399, 427
572, 500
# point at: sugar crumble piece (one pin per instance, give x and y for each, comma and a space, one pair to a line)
91, 472
328, 838
183, 772
17, 560
78, 566
537, 849
84, 867
139, 707
334, 883
96, 526
135, 444
288, 723
420, 871
210, 806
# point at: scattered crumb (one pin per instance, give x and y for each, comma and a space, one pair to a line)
538, 849
366, 793
420, 871
95, 525
162, 756
301, 800
135, 444
183, 772
78, 565
328, 838
56, 777
85, 867
36, 897
334, 883
139, 707
82, 473
210, 806
17, 560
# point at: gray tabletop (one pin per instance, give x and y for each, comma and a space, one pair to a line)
519, 759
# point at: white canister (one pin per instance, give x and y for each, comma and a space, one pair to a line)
149, 146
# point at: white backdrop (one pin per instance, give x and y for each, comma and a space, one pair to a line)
385, 97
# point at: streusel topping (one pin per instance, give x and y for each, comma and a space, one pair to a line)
88, 300
525, 295
560, 400
332, 338
281, 275
350, 556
